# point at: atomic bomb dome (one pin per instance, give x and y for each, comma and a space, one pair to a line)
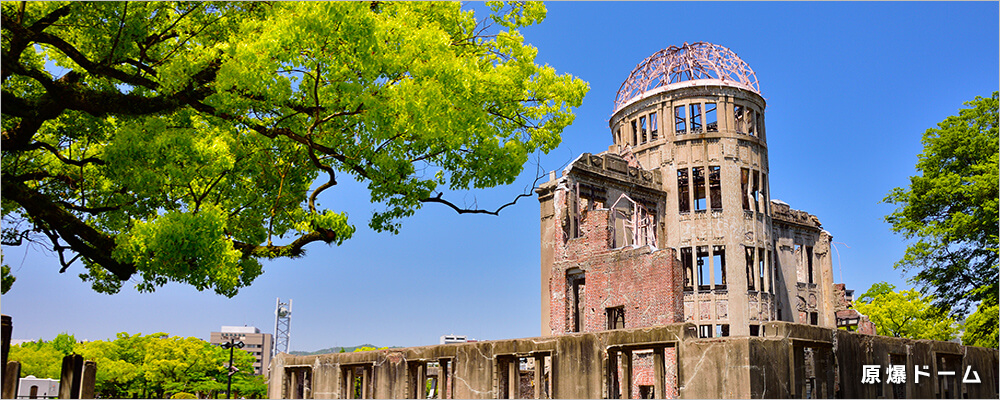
699, 63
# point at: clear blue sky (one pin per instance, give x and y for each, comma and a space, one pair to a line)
850, 88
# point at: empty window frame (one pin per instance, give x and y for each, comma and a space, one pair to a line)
715, 187
618, 134
643, 136
760, 125
771, 272
704, 268
616, 317
754, 330
739, 119
763, 194
635, 134
745, 188
683, 199
719, 265
653, 127
698, 181
578, 286
809, 264
755, 191
761, 270
704, 331
722, 330
680, 120
750, 262
711, 118
696, 124
813, 318
750, 125
800, 271
687, 262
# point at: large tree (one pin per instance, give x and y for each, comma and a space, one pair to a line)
905, 313
184, 141
951, 209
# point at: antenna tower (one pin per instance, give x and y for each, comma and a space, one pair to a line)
282, 326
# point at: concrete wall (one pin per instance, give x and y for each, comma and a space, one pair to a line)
788, 360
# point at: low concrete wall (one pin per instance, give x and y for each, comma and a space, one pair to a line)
788, 360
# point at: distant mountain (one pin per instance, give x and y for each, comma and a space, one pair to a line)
333, 350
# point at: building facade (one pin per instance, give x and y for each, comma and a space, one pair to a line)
689, 155
256, 343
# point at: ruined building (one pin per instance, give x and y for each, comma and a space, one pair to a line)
669, 272
689, 165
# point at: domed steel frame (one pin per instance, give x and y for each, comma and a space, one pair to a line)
690, 62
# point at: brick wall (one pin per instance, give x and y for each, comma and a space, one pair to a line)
646, 281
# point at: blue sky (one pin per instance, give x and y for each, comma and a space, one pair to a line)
850, 89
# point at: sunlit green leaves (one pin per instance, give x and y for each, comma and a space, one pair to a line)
905, 313
951, 209
199, 137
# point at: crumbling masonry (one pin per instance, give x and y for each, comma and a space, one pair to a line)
668, 271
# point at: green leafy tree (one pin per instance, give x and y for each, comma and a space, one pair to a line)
951, 209
8, 279
39, 359
185, 141
905, 313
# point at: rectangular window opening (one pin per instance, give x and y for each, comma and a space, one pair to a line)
642, 129
616, 317
711, 119
696, 118
687, 262
814, 318
653, 127
751, 117
680, 120
738, 118
722, 330
635, 134
745, 187
754, 330
763, 194
750, 275
704, 331
755, 191
704, 282
698, 181
578, 284
719, 265
715, 187
683, 199
760, 268
809, 264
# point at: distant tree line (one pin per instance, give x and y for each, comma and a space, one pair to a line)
150, 366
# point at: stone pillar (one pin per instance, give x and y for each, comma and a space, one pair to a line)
659, 370
443, 377
349, 384
539, 376
626, 383
422, 380
13, 370
88, 379
8, 328
513, 379
366, 379
612, 376
69, 380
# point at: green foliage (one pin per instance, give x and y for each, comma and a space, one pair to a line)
905, 313
39, 358
951, 209
185, 141
981, 326
8, 279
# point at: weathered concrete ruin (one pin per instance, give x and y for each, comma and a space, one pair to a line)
668, 271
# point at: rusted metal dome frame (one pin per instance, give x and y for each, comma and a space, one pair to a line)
690, 62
